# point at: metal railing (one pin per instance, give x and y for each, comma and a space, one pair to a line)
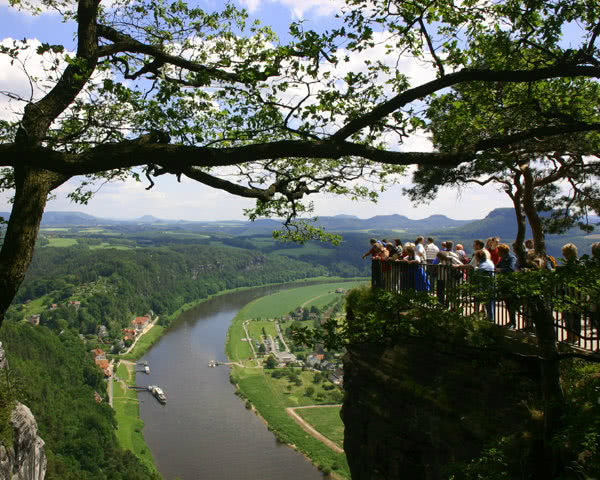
578, 326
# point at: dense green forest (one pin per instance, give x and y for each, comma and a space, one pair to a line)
55, 376
114, 286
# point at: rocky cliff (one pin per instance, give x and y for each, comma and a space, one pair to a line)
25, 458
418, 410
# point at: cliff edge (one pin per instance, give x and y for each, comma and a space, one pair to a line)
25, 459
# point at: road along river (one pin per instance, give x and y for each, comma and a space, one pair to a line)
204, 432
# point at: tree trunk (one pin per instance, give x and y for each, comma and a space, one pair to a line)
551, 387
535, 222
519, 247
31, 191
546, 337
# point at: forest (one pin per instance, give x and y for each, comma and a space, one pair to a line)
55, 376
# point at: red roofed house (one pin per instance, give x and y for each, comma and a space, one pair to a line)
140, 323
99, 353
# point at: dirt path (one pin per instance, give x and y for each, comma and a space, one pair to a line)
291, 411
312, 299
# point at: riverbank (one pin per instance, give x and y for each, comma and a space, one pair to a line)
126, 404
305, 281
272, 397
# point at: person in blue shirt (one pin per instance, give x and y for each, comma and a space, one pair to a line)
506, 265
484, 269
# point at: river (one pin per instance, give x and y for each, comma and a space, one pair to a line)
204, 431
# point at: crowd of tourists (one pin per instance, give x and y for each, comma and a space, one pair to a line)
488, 259
490, 256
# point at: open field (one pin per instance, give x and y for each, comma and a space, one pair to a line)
125, 404
110, 245
281, 303
255, 328
268, 397
327, 421
61, 242
54, 229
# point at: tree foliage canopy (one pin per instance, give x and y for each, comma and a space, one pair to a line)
166, 87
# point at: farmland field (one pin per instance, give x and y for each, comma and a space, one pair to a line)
326, 420
61, 242
282, 303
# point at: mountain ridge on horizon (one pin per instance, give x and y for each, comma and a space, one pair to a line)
54, 215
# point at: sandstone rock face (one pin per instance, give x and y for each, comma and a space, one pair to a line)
25, 459
415, 410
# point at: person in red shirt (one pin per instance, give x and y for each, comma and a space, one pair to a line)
492, 246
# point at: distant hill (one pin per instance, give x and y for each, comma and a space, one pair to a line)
500, 222
70, 219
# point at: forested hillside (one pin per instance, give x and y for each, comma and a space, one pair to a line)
113, 286
56, 377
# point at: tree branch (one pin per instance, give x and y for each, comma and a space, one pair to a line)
466, 75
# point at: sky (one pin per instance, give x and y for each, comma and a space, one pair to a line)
189, 200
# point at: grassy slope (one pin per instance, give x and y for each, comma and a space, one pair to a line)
268, 397
327, 421
130, 425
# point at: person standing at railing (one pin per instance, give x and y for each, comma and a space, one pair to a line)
416, 277
478, 245
447, 276
431, 250
571, 316
595, 302
491, 245
507, 265
484, 275
460, 251
420, 248
372, 251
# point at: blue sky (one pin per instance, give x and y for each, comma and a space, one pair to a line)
189, 200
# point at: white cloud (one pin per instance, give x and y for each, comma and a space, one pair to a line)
298, 10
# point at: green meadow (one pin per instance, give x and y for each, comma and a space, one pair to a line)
281, 303
61, 242
290, 388
130, 425
271, 397
325, 420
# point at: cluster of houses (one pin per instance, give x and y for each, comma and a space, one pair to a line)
318, 362
137, 326
102, 362
35, 319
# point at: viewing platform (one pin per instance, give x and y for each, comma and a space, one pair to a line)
578, 325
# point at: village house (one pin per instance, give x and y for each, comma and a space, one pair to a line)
337, 377
75, 304
99, 354
34, 320
286, 357
129, 333
54, 306
140, 322
314, 360
101, 361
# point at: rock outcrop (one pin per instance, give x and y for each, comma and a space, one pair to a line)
25, 458
415, 410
